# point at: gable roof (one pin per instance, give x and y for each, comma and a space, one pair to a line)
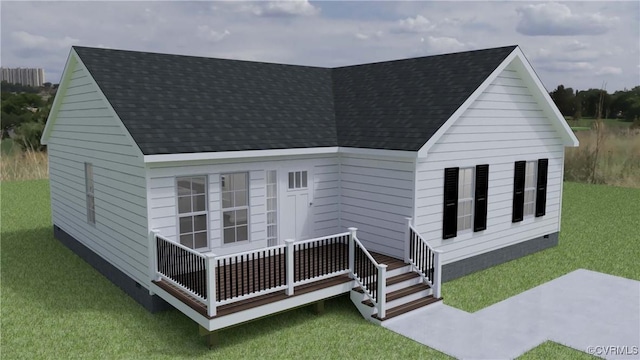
399, 105
173, 104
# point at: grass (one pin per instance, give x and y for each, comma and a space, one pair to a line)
587, 122
618, 161
18, 165
552, 350
599, 233
54, 303
7, 147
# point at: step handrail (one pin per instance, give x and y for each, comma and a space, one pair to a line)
377, 295
424, 259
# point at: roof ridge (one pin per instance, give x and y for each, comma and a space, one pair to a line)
295, 65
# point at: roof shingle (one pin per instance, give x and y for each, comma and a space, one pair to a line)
184, 104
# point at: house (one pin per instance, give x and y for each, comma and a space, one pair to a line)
233, 189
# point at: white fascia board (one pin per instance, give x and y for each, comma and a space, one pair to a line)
545, 100
422, 153
379, 152
237, 154
72, 60
166, 158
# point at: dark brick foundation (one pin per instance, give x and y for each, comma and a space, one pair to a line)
483, 261
153, 303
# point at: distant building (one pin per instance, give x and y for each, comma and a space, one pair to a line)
27, 77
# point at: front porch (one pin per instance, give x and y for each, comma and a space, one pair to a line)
222, 291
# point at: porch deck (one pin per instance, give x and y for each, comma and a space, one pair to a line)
318, 260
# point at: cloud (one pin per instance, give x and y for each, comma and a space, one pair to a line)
557, 19
419, 24
566, 66
368, 36
443, 44
27, 40
284, 8
609, 70
206, 33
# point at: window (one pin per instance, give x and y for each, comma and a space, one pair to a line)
91, 203
297, 180
272, 208
465, 199
235, 207
530, 189
192, 211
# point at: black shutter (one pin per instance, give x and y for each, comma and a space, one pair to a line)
450, 211
541, 189
480, 198
518, 191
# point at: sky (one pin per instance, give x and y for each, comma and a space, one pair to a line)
578, 44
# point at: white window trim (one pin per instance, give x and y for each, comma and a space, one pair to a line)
275, 240
471, 199
192, 214
531, 189
90, 193
247, 207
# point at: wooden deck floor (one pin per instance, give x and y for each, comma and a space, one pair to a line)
274, 277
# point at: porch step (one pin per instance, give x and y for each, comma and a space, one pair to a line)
417, 290
405, 308
397, 282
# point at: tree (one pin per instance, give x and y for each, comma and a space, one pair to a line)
28, 136
564, 100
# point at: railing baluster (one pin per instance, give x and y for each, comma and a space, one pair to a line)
228, 274
269, 268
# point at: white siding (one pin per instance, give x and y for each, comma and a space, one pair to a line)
376, 197
86, 130
162, 196
502, 126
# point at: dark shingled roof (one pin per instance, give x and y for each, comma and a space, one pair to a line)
184, 104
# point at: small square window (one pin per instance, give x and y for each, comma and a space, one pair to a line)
297, 180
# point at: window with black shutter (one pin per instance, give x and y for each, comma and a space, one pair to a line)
480, 208
518, 191
450, 210
541, 189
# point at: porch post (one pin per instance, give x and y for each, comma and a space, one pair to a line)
407, 239
152, 248
382, 290
290, 266
210, 269
437, 274
352, 250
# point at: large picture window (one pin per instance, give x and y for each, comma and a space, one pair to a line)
235, 207
192, 211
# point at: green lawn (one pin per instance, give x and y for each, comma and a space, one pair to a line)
55, 305
585, 123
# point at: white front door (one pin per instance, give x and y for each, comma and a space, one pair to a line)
296, 221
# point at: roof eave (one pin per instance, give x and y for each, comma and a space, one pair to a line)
422, 153
223, 155
72, 60
568, 137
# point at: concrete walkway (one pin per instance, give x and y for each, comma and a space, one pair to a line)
582, 309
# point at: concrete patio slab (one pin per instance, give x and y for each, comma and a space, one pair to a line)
586, 310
